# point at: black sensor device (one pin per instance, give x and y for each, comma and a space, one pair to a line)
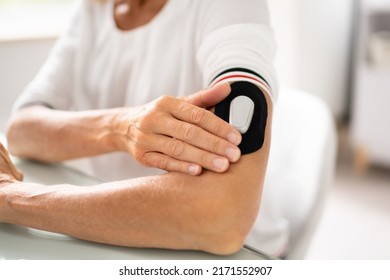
246, 109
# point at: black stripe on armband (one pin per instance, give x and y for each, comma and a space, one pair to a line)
246, 109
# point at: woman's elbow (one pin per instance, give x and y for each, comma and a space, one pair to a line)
227, 228
226, 243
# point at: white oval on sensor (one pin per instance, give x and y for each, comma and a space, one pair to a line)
241, 113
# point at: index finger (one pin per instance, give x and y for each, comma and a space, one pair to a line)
206, 120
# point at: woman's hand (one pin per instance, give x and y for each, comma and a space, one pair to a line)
180, 134
8, 171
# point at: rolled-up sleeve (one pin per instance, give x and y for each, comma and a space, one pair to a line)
236, 42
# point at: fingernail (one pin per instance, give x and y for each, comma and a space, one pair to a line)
234, 138
233, 154
194, 169
221, 163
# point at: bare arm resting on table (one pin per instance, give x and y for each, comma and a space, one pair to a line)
210, 212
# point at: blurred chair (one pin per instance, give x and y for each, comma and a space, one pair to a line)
300, 171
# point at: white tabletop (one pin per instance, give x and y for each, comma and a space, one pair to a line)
18, 242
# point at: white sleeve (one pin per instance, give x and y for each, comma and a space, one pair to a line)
237, 43
53, 84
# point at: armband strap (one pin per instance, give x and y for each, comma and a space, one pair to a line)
246, 109
241, 74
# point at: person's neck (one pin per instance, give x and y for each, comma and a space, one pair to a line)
130, 14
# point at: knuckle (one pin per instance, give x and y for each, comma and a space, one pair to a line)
140, 157
176, 148
183, 106
149, 121
160, 162
188, 132
154, 160
163, 100
198, 116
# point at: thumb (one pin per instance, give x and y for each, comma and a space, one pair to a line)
209, 97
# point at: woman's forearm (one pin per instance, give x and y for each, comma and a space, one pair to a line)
211, 212
49, 135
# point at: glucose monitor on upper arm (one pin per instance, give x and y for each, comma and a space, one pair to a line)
246, 109
241, 113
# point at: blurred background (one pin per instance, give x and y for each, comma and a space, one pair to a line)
338, 50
